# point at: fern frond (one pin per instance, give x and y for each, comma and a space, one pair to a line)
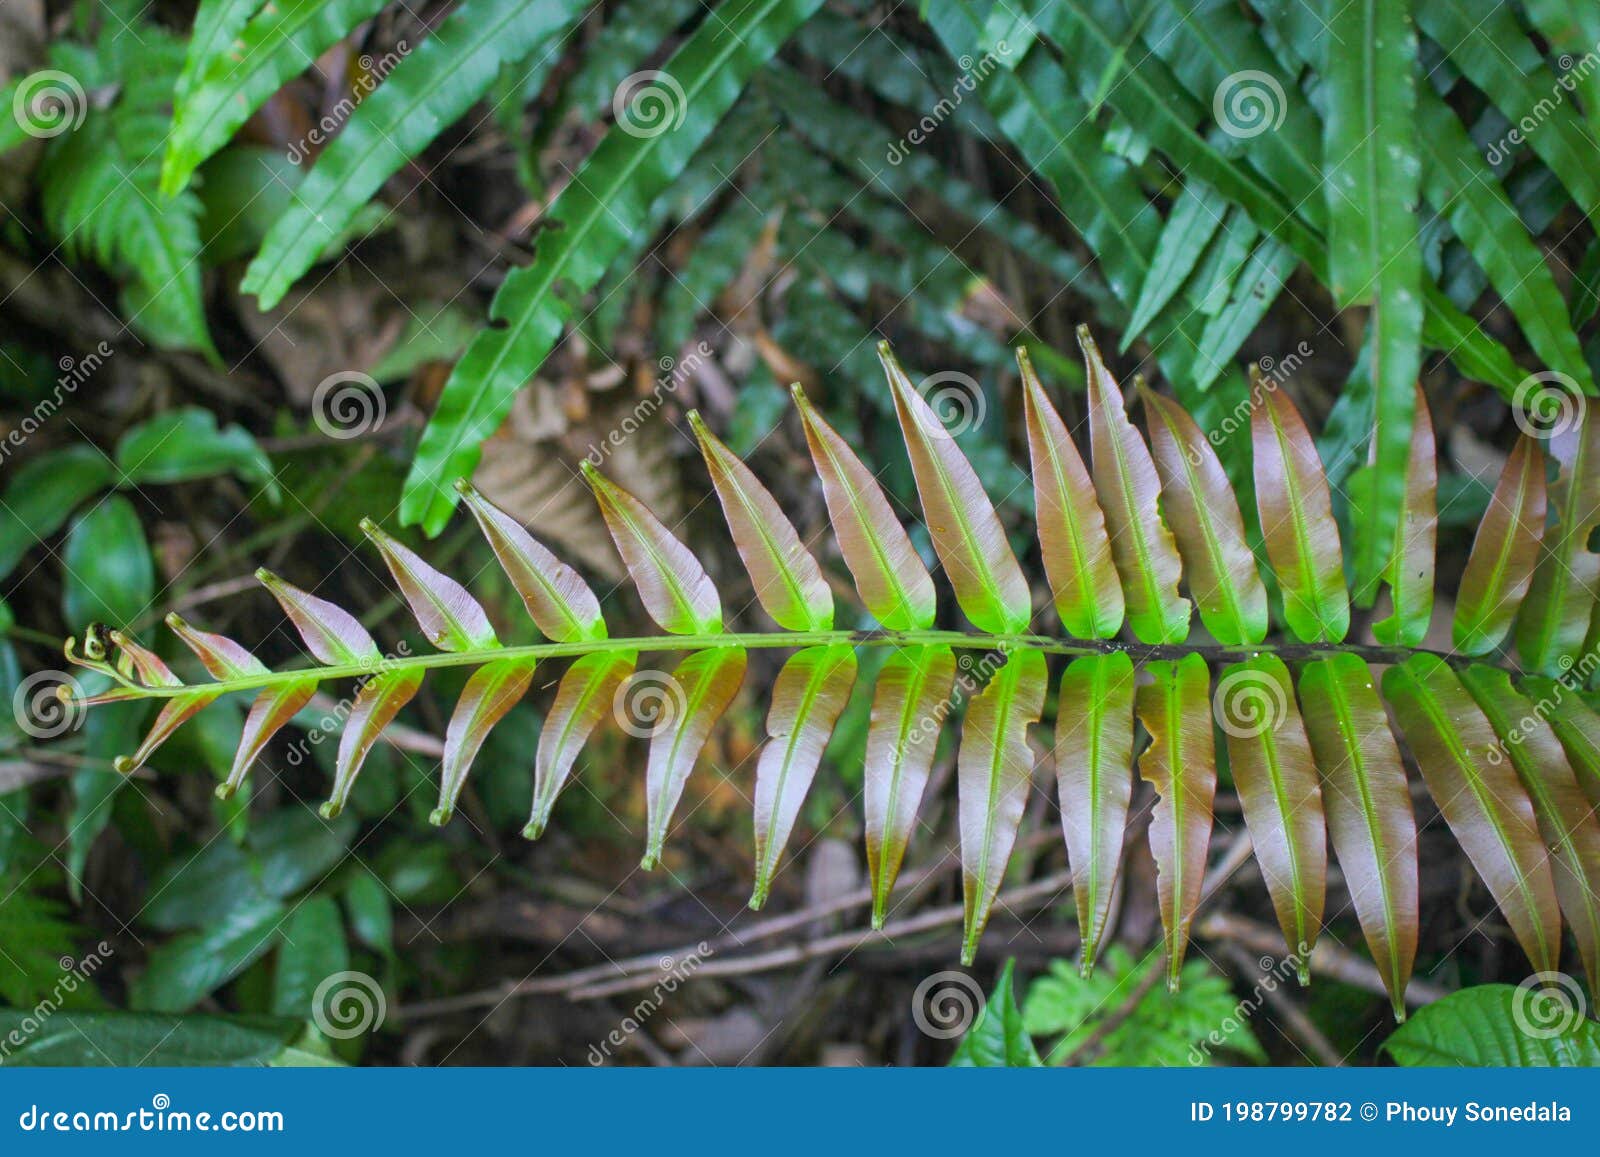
98, 188
1307, 740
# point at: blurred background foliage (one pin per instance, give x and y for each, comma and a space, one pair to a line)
265, 269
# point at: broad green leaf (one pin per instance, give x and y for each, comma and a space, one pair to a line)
1270, 758
671, 582
313, 949
181, 445
1504, 553
331, 633
131, 1039
1094, 777
583, 698
889, 574
1460, 184
994, 772
807, 698
107, 575
1129, 492
1368, 806
369, 911
997, 1038
1200, 503
1481, 799
682, 709
1373, 183
189, 967
1566, 821
429, 89
377, 703
1180, 763
966, 531
1489, 46
910, 702
273, 47
216, 24
1072, 529
272, 709
558, 600
493, 689
1496, 1026
1297, 517
43, 492
451, 618
1411, 561
1554, 618
1192, 223
788, 582
590, 224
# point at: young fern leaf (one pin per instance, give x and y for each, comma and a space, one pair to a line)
962, 522
1180, 763
1072, 530
908, 710
1411, 562
890, 576
1517, 795
993, 774
1094, 776
1129, 491
1297, 518
1504, 553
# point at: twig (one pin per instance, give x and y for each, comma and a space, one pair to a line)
1294, 1018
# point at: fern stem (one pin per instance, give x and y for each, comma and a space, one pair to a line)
964, 640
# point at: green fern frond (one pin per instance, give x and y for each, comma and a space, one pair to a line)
1137, 541
98, 187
